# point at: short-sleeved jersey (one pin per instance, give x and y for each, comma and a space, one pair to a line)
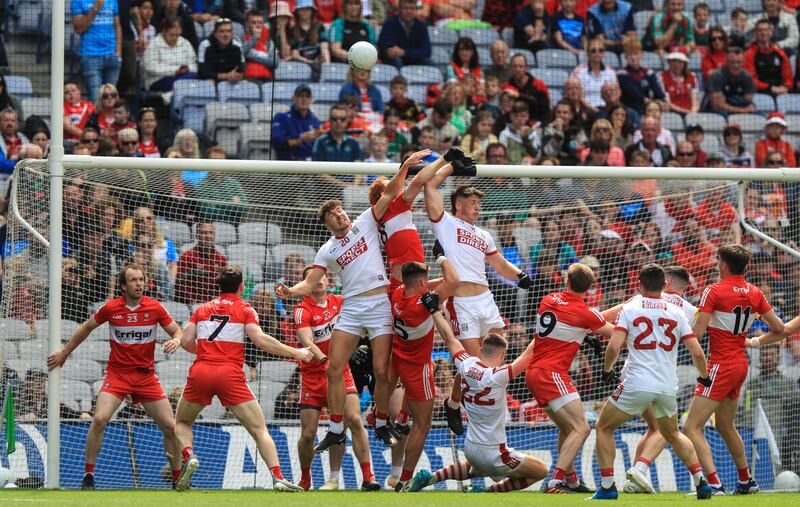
413, 328
484, 398
77, 115
561, 325
654, 327
320, 318
400, 236
689, 310
132, 332
356, 257
221, 329
466, 246
733, 304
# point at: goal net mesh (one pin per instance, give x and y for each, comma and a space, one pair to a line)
266, 223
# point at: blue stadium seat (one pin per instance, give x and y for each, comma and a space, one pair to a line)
553, 78
442, 37
255, 139
189, 101
19, 86
417, 93
382, 73
440, 56
260, 233
200, 30
751, 123
556, 58
225, 115
297, 72
334, 72
480, 36
672, 121
555, 95
325, 92
28, 16
764, 103
421, 74
508, 36
711, 122
789, 103
277, 91
484, 56
751, 6
39, 106
243, 92
529, 56
640, 20
695, 63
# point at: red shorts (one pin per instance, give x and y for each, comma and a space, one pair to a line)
417, 378
223, 380
314, 389
726, 381
141, 386
549, 385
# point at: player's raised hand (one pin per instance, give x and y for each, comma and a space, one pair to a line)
464, 167
415, 158
594, 342
438, 251
57, 359
304, 355
453, 154
171, 346
610, 377
524, 281
431, 301
282, 291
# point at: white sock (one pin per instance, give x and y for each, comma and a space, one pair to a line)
335, 475
337, 427
453, 404
380, 423
608, 482
642, 467
397, 470
552, 483
697, 478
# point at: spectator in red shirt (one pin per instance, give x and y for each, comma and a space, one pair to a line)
768, 63
695, 252
76, 111
714, 214
197, 268
103, 116
148, 133
12, 138
122, 120
533, 91
776, 126
717, 53
680, 84
328, 10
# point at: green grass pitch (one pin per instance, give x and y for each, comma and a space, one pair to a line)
200, 498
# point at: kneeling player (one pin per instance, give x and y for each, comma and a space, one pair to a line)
314, 318
484, 381
411, 352
651, 327
216, 333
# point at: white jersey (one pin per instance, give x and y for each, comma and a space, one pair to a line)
484, 398
356, 257
466, 246
654, 327
689, 310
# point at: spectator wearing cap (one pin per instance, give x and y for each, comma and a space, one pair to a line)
680, 84
660, 154
669, 29
636, 82
715, 160
404, 38
695, 134
259, 53
733, 151
168, 58
307, 37
613, 19
349, 29
533, 91
768, 63
279, 17
730, 88
176, 10
786, 34
97, 23
594, 73
445, 134
336, 145
776, 126
220, 56
294, 132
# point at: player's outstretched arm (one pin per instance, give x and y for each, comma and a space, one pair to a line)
509, 271
421, 178
448, 283
612, 351
395, 185
434, 205
698, 356
789, 329
611, 313
306, 337
521, 363
175, 333
431, 302
58, 358
773, 321
303, 288
189, 338
272, 346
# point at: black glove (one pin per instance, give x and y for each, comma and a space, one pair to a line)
453, 154
610, 377
416, 169
360, 359
431, 301
594, 342
438, 251
704, 381
465, 167
524, 281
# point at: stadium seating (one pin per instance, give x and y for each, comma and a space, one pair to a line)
556, 58
178, 311
255, 140
307, 253
334, 73
68, 328
8, 350
789, 104
293, 72
13, 328
243, 92
19, 86
260, 233
422, 74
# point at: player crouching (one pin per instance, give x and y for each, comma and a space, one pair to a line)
484, 382
651, 326
216, 333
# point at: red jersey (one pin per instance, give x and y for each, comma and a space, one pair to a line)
561, 325
401, 243
320, 319
77, 115
132, 332
678, 89
733, 304
710, 219
221, 329
149, 148
413, 328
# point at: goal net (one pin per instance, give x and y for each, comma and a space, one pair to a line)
265, 222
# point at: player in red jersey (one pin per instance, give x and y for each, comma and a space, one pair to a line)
314, 318
411, 352
727, 309
216, 333
132, 325
562, 323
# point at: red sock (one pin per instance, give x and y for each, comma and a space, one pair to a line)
573, 479
695, 469
606, 472
402, 418
713, 479
276, 472
406, 475
187, 452
88, 468
644, 460
744, 474
305, 474
509, 485
337, 418
457, 471
175, 474
366, 471
559, 474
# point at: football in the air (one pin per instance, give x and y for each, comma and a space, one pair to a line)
362, 55
787, 481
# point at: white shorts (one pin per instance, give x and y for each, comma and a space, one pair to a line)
635, 402
495, 461
474, 316
372, 314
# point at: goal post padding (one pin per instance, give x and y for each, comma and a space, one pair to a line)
264, 220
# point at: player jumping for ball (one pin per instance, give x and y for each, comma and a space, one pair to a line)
473, 312
727, 310
484, 382
216, 333
651, 327
132, 323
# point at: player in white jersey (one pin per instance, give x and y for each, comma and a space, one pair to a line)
484, 380
473, 312
354, 253
651, 327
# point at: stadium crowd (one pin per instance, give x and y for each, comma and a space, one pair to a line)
618, 105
